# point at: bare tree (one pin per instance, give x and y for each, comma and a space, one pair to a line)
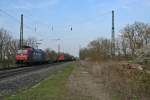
32, 42
97, 50
136, 35
7, 47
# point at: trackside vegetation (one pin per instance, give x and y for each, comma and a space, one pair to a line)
52, 88
126, 73
132, 43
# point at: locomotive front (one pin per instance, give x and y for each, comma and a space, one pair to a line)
23, 55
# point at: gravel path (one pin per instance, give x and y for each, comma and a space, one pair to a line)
13, 84
83, 86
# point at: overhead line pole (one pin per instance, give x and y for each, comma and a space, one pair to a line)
21, 32
113, 36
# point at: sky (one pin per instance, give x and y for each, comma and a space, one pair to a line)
52, 19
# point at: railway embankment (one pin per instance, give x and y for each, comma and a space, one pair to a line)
53, 87
90, 81
22, 81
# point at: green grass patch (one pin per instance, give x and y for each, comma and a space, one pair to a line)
52, 88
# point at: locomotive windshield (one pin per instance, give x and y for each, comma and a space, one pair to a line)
22, 51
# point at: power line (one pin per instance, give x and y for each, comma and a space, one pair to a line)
18, 21
15, 19
51, 27
39, 22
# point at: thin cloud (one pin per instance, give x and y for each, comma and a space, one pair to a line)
131, 4
26, 5
127, 4
146, 2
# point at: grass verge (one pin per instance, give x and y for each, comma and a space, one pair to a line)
52, 88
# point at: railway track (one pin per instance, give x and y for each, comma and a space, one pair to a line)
22, 78
21, 70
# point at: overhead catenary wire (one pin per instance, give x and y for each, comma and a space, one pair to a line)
15, 19
51, 27
27, 27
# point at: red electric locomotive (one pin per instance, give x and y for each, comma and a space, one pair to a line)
29, 55
61, 58
22, 55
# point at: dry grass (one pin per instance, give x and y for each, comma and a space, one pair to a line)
83, 86
121, 83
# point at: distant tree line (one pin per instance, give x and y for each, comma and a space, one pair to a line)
132, 38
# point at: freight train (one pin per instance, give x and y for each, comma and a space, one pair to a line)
29, 55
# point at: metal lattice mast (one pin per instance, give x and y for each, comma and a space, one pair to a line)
21, 32
113, 36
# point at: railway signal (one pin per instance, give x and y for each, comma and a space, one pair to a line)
71, 28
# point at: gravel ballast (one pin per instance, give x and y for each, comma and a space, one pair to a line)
11, 85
